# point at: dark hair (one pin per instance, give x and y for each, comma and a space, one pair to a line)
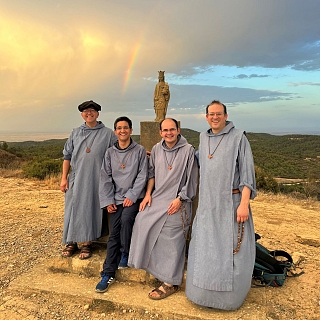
216, 102
174, 120
122, 119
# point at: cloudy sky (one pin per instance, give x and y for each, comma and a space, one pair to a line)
261, 58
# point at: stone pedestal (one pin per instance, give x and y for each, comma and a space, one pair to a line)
149, 134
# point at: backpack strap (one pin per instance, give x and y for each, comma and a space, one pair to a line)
281, 253
267, 260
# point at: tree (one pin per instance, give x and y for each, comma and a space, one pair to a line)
4, 146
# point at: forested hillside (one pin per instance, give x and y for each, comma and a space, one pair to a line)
287, 156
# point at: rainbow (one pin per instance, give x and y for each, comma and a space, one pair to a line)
132, 60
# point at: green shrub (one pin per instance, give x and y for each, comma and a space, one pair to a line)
4, 146
312, 187
265, 181
41, 168
291, 188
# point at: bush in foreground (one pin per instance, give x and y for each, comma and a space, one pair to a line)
41, 168
265, 181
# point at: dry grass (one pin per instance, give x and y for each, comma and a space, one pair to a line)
302, 200
51, 182
11, 173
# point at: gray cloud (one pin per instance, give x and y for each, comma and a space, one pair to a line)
297, 84
244, 76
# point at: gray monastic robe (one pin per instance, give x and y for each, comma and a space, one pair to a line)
116, 183
158, 242
215, 276
83, 215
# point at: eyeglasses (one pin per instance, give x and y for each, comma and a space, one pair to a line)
218, 114
123, 128
89, 110
169, 130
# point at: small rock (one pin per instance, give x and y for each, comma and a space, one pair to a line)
86, 307
297, 257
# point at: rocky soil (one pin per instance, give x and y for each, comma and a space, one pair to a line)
31, 228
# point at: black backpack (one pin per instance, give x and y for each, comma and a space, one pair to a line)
271, 267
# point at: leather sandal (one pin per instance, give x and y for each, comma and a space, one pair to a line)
168, 291
86, 249
69, 250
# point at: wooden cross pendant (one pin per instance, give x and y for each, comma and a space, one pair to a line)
169, 167
88, 150
209, 156
122, 166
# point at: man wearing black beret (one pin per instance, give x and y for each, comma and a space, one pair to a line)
89, 104
84, 152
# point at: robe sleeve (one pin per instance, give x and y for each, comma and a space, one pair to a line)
246, 167
141, 178
68, 147
151, 171
106, 186
189, 189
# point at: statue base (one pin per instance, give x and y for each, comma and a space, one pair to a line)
149, 134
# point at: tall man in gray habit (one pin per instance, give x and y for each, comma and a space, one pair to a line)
222, 248
123, 179
158, 238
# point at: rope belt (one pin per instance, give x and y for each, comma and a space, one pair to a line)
234, 191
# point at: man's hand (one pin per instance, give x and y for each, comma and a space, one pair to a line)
64, 185
127, 202
174, 206
242, 213
243, 209
146, 201
111, 208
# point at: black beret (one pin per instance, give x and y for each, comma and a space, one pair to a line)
89, 104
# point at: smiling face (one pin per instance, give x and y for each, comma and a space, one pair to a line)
123, 132
169, 132
216, 117
90, 116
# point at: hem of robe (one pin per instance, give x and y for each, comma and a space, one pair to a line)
175, 282
225, 300
80, 239
219, 306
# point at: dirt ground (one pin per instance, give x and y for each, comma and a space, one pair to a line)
31, 228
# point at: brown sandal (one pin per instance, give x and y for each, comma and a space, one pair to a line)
168, 291
86, 249
69, 250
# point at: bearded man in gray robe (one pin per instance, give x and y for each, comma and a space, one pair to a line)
222, 248
158, 239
